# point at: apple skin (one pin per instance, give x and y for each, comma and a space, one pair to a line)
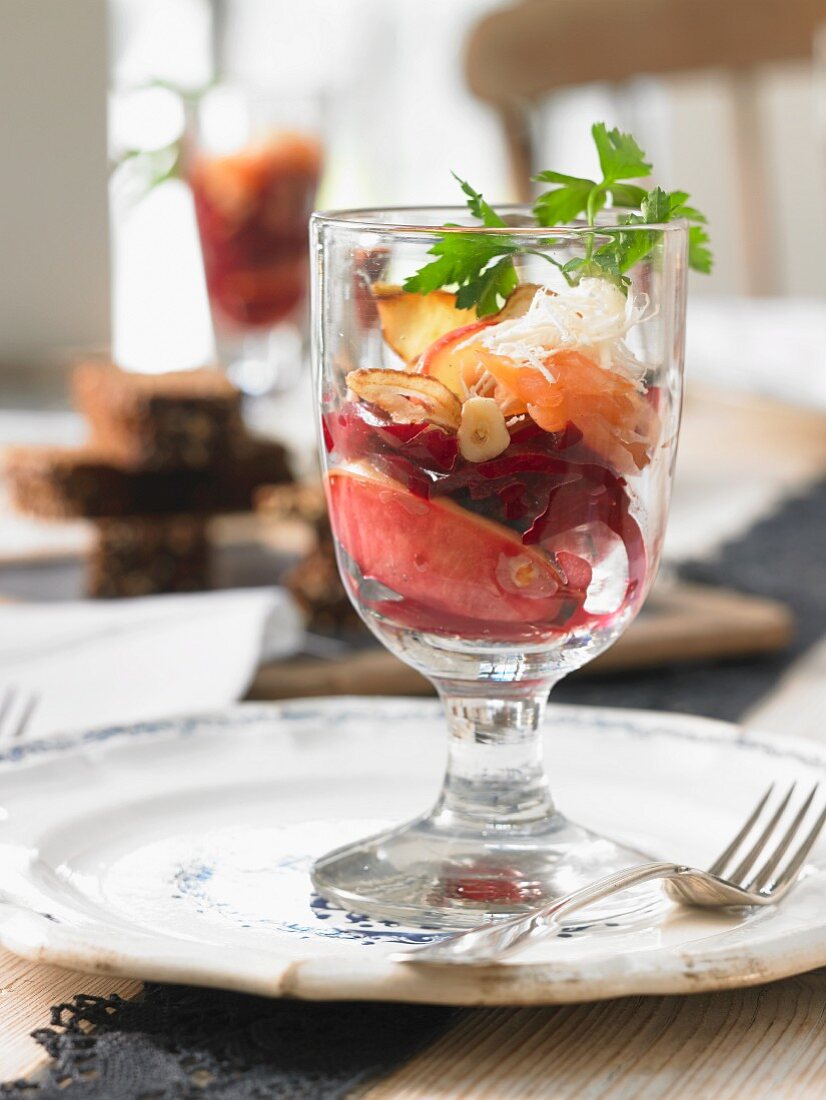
453, 366
440, 556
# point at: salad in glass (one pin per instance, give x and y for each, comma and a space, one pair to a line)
498, 436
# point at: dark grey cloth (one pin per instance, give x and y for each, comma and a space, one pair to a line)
782, 557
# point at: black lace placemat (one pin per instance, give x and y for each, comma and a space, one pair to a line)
178, 1042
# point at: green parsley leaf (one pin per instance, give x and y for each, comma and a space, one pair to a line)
485, 291
690, 213
461, 259
624, 251
480, 266
561, 177
432, 276
699, 254
478, 207
565, 202
620, 158
679, 209
609, 266
656, 207
627, 194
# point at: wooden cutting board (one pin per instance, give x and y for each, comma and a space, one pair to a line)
680, 622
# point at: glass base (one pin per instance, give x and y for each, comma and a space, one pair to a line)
426, 874
263, 362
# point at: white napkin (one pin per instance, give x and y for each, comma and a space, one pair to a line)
96, 664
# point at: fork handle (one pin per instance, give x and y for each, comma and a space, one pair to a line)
494, 941
602, 888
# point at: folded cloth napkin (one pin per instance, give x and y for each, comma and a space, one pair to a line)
97, 664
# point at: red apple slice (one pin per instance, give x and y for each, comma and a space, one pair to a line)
452, 361
439, 555
458, 363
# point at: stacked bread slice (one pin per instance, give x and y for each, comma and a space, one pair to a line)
165, 452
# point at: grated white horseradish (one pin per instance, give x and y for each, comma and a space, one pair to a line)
593, 317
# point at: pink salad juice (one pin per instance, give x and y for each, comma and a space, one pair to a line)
252, 209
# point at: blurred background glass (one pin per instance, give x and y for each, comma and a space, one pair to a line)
252, 159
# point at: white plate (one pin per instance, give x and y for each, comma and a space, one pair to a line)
178, 851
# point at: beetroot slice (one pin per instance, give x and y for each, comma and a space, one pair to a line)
543, 485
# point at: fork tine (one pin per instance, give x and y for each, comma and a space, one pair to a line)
25, 717
773, 862
719, 864
748, 861
798, 859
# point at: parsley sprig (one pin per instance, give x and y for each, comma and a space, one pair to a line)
481, 266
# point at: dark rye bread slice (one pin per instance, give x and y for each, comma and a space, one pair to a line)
148, 555
70, 483
180, 420
301, 501
314, 581
64, 483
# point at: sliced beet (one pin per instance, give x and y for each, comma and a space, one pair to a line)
544, 485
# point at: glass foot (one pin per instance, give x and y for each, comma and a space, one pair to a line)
267, 362
423, 875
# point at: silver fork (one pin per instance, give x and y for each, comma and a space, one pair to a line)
14, 720
750, 882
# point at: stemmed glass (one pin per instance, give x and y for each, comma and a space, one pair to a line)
498, 490
253, 160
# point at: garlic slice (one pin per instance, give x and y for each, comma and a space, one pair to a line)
483, 433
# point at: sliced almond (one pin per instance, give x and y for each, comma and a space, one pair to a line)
483, 433
407, 397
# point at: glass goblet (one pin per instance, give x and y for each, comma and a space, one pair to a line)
253, 161
498, 490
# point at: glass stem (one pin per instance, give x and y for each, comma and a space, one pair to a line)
495, 780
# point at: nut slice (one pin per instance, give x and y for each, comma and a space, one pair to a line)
407, 397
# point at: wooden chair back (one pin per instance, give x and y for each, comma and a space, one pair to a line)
519, 54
